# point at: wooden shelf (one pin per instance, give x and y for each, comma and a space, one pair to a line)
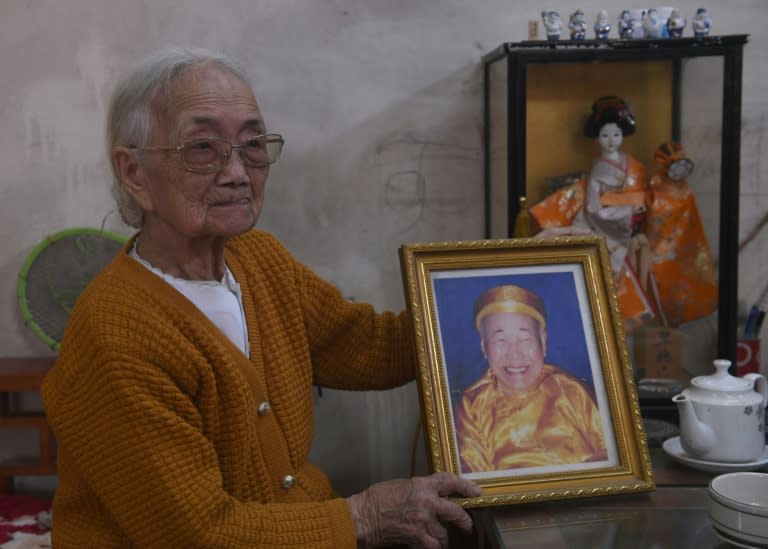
20, 375
27, 467
23, 421
24, 375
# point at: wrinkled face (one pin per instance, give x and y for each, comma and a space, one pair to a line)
205, 102
515, 348
610, 137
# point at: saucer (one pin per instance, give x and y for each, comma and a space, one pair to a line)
736, 539
673, 449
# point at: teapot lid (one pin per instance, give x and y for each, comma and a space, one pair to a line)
721, 380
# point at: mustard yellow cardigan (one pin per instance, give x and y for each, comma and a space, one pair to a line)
161, 438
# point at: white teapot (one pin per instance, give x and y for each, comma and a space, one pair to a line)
722, 417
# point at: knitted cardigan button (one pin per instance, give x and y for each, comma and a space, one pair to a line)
263, 408
288, 481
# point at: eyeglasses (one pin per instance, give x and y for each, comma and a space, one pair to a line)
210, 154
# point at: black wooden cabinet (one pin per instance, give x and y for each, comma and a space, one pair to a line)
688, 90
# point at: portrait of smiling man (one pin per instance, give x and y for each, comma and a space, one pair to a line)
523, 412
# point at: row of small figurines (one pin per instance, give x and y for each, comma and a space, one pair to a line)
649, 25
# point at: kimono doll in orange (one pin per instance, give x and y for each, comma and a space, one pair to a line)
682, 261
612, 201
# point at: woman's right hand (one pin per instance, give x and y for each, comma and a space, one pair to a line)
411, 511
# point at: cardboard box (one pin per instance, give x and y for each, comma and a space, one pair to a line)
658, 353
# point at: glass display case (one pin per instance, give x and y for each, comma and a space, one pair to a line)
667, 195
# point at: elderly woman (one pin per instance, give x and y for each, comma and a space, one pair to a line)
181, 398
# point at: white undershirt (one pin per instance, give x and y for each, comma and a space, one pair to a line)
221, 302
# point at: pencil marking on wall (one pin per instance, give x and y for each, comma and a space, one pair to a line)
411, 172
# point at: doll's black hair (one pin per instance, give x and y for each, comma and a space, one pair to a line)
610, 110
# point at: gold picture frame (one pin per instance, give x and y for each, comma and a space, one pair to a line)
451, 289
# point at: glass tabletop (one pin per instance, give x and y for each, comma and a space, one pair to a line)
671, 517
674, 516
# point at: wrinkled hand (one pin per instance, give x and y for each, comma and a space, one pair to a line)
411, 511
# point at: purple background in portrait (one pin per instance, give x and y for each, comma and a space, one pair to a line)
455, 299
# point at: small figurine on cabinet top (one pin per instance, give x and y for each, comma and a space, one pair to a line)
675, 24
626, 26
602, 26
552, 24
577, 25
651, 24
701, 23
637, 23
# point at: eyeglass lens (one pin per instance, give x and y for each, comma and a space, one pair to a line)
211, 153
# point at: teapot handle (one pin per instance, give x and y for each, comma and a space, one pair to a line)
760, 384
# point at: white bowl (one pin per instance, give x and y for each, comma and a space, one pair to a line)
738, 506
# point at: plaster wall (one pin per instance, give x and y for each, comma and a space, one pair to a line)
380, 103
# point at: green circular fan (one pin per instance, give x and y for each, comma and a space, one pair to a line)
56, 271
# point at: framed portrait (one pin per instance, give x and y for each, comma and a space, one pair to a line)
524, 377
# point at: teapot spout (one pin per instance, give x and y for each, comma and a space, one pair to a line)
696, 438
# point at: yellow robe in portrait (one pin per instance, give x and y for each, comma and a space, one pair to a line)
556, 422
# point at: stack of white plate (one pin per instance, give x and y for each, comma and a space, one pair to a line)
738, 507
